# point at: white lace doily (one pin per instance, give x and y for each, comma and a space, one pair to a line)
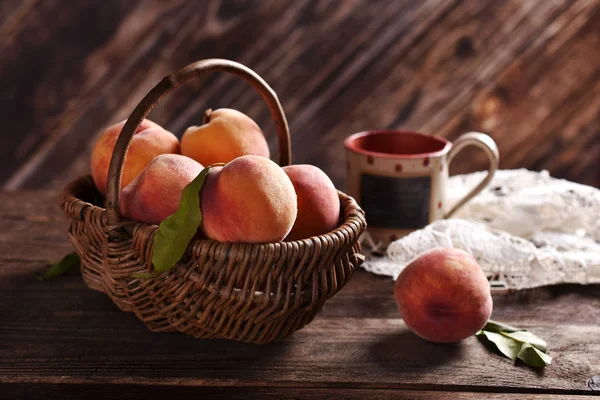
526, 229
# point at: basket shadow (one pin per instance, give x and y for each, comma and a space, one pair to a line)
402, 351
108, 341
185, 356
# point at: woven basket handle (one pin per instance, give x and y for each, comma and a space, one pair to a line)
171, 82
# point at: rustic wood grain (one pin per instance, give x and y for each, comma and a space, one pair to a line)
61, 337
129, 392
527, 72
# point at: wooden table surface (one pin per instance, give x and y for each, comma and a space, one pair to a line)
525, 71
59, 339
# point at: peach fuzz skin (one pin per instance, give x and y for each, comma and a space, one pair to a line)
149, 141
318, 201
249, 200
443, 295
225, 135
155, 193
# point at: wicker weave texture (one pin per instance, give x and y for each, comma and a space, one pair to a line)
245, 292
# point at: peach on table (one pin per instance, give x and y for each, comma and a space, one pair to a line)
443, 295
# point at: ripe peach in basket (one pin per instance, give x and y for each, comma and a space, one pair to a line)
149, 141
225, 135
155, 193
249, 200
318, 201
443, 295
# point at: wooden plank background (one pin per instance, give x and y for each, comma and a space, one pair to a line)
525, 71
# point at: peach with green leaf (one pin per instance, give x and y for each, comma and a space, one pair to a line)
249, 200
155, 193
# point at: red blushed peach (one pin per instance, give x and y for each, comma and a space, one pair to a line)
155, 193
149, 141
318, 201
249, 200
225, 135
443, 295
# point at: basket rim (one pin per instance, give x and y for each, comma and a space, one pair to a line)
351, 212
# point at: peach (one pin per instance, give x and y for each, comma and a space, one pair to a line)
149, 140
249, 200
318, 201
225, 135
155, 193
443, 295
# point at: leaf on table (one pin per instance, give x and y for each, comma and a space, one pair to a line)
178, 229
495, 326
56, 269
516, 343
533, 357
507, 346
527, 337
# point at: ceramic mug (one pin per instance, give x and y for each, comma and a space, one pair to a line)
399, 177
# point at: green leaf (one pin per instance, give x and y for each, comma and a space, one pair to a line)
527, 337
516, 343
57, 269
177, 230
495, 326
521, 335
507, 346
533, 357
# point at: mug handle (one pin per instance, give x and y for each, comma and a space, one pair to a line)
488, 145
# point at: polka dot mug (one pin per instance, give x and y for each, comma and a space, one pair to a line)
399, 177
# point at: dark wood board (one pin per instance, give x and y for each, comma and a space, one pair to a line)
526, 72
130, 392
63, 339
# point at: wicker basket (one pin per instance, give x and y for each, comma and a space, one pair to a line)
247, 292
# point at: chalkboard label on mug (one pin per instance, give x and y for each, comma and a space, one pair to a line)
397, 203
